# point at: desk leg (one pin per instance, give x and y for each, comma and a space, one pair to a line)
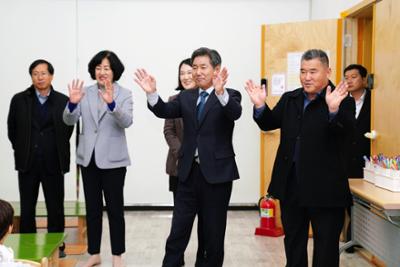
347, 245
16, 222
82, 230
54, 259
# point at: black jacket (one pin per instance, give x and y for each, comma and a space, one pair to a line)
321, 165
360, 145
212, 135
20, 128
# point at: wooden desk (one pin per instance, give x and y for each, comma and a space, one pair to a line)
36, 246
380, 197
375, 219
71, 209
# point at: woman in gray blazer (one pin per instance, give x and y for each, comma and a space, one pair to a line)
102, 153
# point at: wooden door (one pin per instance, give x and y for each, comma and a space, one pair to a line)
386, 93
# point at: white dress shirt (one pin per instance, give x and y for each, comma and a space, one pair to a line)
359, 103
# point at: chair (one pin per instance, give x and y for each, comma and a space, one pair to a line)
43, 263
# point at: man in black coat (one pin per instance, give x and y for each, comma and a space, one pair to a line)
309, 175
356, 78
206, 166
40, 141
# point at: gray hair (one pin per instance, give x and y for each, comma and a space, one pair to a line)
316, 53
212, 54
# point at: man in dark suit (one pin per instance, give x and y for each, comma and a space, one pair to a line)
356, 78
309, 175
40, 141
206, 166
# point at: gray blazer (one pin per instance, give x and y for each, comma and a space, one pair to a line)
102, 131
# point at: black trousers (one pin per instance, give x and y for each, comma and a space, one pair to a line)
97, 181
53, 190
326, 223
197, 196
200, 243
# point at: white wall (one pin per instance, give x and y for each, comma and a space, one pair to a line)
328, 9
30, 30
154, 34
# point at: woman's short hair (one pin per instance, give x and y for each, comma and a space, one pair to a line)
188, 62
6, 217
115, 63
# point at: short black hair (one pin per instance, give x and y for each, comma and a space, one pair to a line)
41, 61
214, 56
316, 53
115, 63
6, 217
361, 69
188, 62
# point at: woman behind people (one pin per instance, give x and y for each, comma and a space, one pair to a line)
173, 128
173, 133
102, 153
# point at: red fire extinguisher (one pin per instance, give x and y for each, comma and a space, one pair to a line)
267, 209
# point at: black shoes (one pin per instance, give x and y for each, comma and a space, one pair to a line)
61, 251
351, 249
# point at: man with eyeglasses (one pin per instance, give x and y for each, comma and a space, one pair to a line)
40, 141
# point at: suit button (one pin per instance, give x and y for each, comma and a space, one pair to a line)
298, 117
95, 131
285, 157
41, 133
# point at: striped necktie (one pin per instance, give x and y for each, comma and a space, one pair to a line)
200, 106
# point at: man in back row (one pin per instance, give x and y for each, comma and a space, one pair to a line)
40, 140
356, 77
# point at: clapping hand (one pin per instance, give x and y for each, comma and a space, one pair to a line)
333, 99
108, 93
75, 91
220, 80
145, 81
257, 93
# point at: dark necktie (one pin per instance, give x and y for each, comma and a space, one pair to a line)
202, 103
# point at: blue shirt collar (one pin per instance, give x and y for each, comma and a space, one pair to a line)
42, 99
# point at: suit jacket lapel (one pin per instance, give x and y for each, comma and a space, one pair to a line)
299, 101
92, 100
29, 102
366, 105
192, 101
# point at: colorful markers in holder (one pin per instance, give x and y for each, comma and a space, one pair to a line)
383, 171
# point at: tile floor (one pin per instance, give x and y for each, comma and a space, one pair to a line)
146, 232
